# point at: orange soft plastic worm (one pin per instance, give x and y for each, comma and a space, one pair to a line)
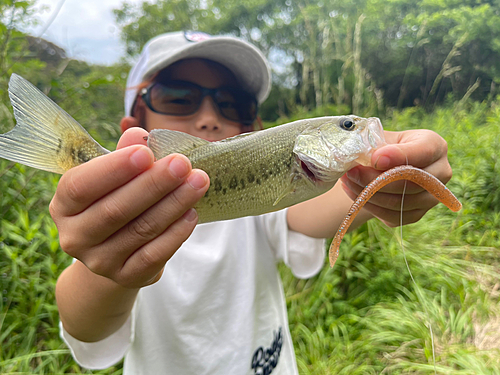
403, 172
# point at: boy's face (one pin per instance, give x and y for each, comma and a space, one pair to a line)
207, 122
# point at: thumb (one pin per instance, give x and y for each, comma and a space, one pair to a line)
419, 148
133, 136
389, 156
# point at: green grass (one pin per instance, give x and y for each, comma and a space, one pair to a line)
364, 316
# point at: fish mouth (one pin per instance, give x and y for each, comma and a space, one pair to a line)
307, 171
313, 172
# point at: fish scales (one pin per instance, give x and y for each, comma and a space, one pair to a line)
247, 174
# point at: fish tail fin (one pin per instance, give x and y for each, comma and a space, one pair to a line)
45, 136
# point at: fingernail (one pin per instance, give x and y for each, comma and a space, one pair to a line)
382, 162
197, 179
190, 215
178, 167
142, 158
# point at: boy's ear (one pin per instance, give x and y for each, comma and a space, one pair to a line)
128, 122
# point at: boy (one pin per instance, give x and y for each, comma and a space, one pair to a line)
175, 299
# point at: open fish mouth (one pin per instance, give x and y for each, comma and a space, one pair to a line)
308, 170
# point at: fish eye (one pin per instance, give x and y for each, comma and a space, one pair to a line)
347, 124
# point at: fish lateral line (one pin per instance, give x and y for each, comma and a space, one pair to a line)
403, 172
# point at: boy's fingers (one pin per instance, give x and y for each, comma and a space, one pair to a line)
83, 185
119, 207
152, 256
149, 217
393, 218
133, 136
133, 241
420, 148
392, 201
364, 175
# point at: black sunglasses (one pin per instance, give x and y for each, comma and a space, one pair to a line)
180, 98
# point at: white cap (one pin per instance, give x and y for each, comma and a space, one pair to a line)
245, 61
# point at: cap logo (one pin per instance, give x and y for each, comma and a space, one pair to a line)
196, 36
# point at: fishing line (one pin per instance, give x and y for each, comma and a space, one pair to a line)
419, 292
52, 18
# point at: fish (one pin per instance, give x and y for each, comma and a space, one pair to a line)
250, 174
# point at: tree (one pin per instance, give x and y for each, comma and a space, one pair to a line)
360, 53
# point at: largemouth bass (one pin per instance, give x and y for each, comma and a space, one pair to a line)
250, 174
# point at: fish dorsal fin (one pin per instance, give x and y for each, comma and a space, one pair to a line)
164, 142
237, 136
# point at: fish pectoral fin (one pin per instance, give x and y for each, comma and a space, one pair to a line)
291, 187
164, 142
287, 190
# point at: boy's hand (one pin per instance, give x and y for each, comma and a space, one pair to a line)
421, 148
123, 214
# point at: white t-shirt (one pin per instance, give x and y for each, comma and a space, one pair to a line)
219, 307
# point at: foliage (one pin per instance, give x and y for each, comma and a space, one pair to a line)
362, 53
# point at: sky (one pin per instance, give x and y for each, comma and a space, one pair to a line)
85, 29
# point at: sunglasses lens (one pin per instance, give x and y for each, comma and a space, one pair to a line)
236, 105
184, 98
175, 99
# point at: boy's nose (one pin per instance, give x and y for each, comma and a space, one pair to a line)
208, 116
